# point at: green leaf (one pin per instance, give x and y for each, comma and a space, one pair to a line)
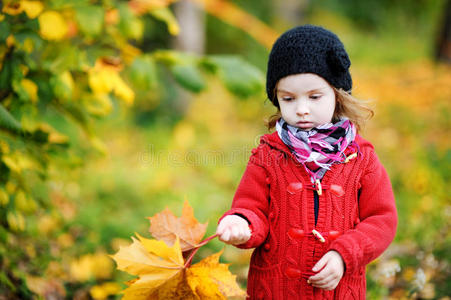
6, 75
143, 72
62, 57
4, 31
129, 25
90, 19
7, 121
189, 77
240, 77
165, 14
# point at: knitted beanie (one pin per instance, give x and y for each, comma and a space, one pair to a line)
308, 49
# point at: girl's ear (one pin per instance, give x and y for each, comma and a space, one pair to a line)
338, 59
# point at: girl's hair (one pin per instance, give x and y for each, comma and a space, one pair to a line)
346, 105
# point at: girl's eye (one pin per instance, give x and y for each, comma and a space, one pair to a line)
287, 98
315, 97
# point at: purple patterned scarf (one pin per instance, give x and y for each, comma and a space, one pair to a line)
320, 147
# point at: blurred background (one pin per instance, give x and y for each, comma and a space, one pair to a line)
112, 110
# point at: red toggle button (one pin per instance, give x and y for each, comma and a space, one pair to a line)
294, 187
337, 190
296, 233
333, 235
293, 273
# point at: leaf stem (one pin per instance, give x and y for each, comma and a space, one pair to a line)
193, 252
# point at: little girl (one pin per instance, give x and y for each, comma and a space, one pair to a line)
314, 200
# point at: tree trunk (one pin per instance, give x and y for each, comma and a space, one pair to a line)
191, 38
443, 48
291, 12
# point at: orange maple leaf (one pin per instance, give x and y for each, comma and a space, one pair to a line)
165, 226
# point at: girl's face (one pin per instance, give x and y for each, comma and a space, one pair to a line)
306, 100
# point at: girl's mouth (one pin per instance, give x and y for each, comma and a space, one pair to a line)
304, 124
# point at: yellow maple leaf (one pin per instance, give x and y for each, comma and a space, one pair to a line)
167, 227
52, 25
209, 279
154, 262
32, 8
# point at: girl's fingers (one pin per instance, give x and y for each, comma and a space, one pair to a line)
324, 281
235, 232
226, 236
321, 263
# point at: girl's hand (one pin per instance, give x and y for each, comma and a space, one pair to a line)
332, 268
233, 230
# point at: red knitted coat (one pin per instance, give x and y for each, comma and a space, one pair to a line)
276, 196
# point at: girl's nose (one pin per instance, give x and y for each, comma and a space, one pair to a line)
302, 108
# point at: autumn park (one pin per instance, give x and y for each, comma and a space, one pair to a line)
125, 127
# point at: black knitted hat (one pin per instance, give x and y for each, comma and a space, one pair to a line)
308, 49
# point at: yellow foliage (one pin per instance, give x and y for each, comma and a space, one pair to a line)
12, 8
31, 88
67, 80
105, 79
89, 266
129, 52
28, 45
101, 81
32, 8
123, 91
10, 41
143, 257
4, 197
209, 279
98, 145
24, 203
163, 275
99, 105
65, 240
184, 135
232, 14
16, 221
47, 224
10, 187
104, 290
153, 261
52, 25
140, 7
4, 147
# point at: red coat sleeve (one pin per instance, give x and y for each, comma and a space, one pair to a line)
251, 201
378, 219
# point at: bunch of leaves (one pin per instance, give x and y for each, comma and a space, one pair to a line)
162, 270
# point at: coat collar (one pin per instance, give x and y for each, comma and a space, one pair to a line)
274, 141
